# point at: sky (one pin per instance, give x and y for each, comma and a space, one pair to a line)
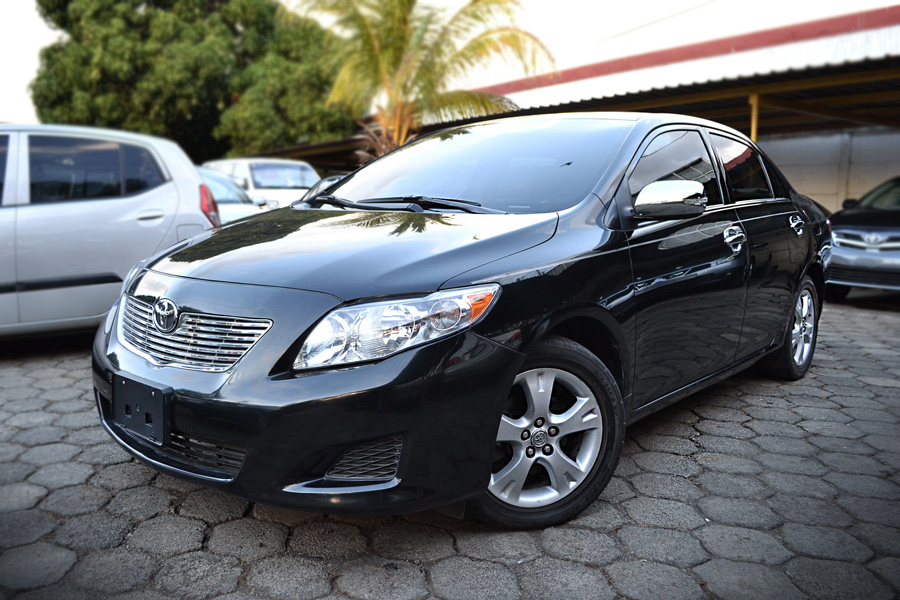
577, 32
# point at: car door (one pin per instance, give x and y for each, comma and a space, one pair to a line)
689, 273
778, 240
9, 307
95, 207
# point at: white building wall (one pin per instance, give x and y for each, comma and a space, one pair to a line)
832, 167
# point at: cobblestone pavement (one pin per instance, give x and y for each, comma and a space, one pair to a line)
752, 489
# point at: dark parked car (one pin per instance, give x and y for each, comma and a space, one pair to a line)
475, 316
866, 242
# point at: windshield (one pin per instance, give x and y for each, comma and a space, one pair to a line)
282, 176
528, 165
886, 195
224, 191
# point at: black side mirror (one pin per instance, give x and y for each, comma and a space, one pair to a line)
662, 200
850, 203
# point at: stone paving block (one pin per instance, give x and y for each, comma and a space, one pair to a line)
31, 419
167, 535
827, 428
75, 500
552, 579
199, 575
58, 475
59, 591
767, 413
746, 581
172, 484
327, 539
824, 542
652, 581
92, 532
783, 445
112, 571
123, 476
888, 568
15, 472
725, 445
875, 428
722, 429
383, 579
728, 464
34, 566
664, 513
462, 578
37, 436
601, 516
791, 464
104, 454
743, 544
616, 491
213, 506
740, 512
24, 527
733, 486
19, 496
508, 547
662, 545
883, 540
670, 487
666, 443
872, 510
834, 444
141, 503
290, 578
833, 580
87, 436
49, 453
871, 414
412, 542
800, 485
776, 428
856, 464
669, 464
285, 516
864, 485
886, 443
582, 545
248, 539
809, 511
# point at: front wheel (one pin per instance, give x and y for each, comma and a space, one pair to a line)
791, 361
558, 442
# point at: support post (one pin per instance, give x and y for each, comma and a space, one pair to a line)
754, 116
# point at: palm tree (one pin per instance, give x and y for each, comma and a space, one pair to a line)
404, 57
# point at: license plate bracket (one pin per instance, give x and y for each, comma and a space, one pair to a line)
141, 408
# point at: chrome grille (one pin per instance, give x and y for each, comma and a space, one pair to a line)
372, 461
200, 342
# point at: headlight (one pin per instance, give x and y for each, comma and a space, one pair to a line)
380, 329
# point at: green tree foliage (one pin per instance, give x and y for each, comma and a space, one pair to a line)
212, 75
406, 57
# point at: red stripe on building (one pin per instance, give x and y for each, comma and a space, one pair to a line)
872, 19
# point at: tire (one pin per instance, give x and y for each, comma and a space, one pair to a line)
579, 416
836, 293
791, 361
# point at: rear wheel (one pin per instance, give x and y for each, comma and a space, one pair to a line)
558, 441
792, 360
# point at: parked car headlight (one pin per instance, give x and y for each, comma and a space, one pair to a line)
379, 329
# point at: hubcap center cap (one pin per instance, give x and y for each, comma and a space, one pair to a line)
539, 438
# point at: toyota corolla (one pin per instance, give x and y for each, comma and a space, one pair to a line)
476, 316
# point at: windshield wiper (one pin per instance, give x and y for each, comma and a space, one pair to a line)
317, 201
429, 202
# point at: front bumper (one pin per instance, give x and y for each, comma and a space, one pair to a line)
864, 268
265, 433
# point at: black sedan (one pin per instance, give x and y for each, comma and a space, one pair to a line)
476, 316
866, 248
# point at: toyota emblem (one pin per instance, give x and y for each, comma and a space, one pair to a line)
165, 315
873, 239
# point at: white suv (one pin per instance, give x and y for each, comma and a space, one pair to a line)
79, 206
274, 181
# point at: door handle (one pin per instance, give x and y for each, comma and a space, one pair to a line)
797, 224
735, 237
150, 215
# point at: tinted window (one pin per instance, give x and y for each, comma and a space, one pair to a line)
64, 168
282, 176
141, 170
676, 155
515, 165
4, 148
886, 195
743, 169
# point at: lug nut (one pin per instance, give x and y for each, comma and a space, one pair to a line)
526, 434
547, 450
553, 431
539, 422
529, 451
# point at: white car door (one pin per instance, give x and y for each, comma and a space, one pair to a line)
95, 207
9, 308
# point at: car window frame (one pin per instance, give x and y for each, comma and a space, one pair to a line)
10, 197
25, 167
622, 198
710, 131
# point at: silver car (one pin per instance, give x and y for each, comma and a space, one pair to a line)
79, 206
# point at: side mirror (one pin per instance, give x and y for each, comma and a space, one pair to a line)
662, 200
258, 200
850, 203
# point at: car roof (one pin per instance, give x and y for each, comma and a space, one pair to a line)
86, 130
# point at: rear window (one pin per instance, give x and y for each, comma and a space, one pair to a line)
282, 176
514, 165
70, 168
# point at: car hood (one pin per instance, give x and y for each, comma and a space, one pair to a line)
875, 218
352, 254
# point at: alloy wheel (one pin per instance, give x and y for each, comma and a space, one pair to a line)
803, 331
